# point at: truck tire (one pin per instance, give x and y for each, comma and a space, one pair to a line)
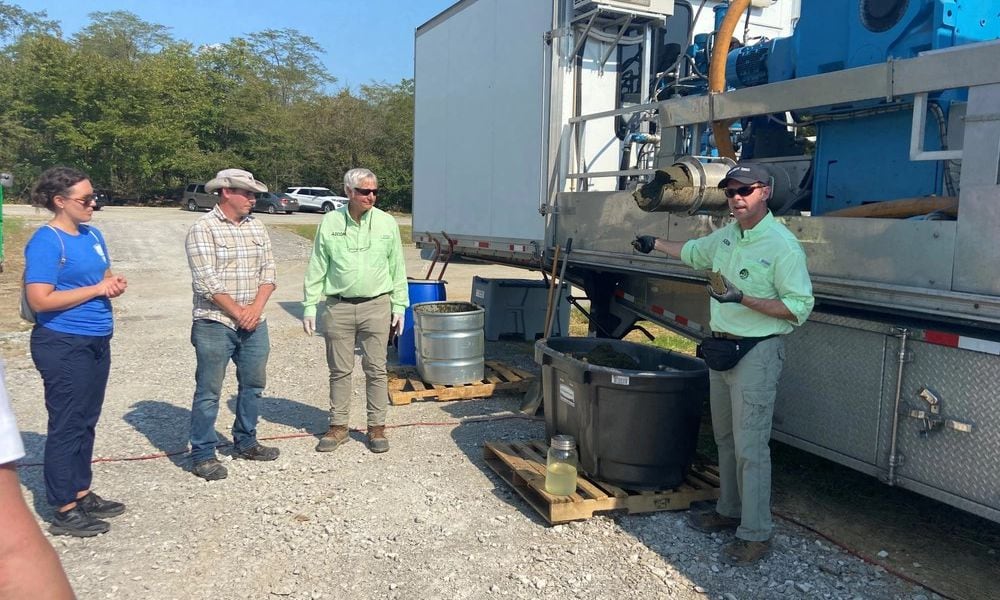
192, 206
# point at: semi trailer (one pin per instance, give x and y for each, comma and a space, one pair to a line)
541, 121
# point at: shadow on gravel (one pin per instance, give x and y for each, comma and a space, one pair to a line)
293, 414
500, 422
34, 478
166, 426
292, 308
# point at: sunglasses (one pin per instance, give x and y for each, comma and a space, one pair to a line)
85, 200
745, 190
366, 191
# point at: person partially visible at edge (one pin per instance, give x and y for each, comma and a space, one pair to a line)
767, 292
29, 566
357, 270
233, 276
69, 285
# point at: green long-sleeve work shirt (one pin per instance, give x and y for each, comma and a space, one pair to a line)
356, 260
765, 262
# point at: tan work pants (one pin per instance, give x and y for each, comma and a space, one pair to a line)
742, 401
365, 324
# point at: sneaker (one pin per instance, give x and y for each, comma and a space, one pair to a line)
741, 553
333, 438
210, 470
258, 452
96, 506
712, 522
377, 441
77, 523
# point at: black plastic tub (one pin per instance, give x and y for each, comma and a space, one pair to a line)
635, 427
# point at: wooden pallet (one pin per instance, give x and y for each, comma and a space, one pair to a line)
522, 465
407, 386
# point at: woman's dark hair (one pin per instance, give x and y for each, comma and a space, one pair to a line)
53, 182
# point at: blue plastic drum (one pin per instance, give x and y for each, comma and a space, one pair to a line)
421, 290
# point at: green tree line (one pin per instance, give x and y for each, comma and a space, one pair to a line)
144, 113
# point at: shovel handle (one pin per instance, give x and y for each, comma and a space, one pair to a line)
551, 313
552, 288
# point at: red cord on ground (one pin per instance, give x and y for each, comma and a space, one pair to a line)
870, 561
292, 436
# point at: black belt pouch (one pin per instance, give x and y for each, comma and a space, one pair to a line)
722, 354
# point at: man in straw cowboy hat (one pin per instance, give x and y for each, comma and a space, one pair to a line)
233, 275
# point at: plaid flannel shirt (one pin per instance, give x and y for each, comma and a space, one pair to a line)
227, 258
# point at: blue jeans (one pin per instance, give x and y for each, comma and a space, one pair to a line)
75, 370
214, 345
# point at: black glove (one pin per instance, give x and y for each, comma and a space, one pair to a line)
644, 243
731, 293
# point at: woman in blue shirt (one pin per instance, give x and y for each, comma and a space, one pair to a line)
69, 285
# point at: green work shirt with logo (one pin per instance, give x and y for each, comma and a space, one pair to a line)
356, 260
765, 262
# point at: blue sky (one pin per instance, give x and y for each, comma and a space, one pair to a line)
364, 40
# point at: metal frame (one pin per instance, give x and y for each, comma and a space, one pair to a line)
919, 128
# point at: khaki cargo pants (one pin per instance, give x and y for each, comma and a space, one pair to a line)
365, 324
742, 400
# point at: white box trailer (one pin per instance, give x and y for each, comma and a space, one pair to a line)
519, 109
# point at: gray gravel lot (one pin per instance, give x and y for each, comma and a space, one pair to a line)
426, 520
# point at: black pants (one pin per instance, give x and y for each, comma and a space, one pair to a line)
74, 369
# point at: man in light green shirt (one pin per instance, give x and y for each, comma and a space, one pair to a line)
761, 292
357, 271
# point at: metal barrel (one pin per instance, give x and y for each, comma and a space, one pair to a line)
421, 290
450, 342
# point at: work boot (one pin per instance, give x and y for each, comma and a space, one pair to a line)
377, 441
333, 438
77, 523
210, 470
741, 553
257, 452
712, 522
96, 506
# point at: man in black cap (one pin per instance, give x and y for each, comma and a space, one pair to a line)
745, 352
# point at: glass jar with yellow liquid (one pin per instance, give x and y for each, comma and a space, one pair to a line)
560, 469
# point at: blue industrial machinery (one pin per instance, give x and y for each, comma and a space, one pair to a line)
858, 145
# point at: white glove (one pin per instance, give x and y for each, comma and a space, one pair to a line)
309, 325
397, 324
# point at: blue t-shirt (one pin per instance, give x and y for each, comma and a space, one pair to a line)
87, 260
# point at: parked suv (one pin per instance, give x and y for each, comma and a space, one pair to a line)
195, 197
103, 199
316, 198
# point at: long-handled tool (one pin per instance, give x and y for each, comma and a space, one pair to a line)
562, 284
552, 288
533, 395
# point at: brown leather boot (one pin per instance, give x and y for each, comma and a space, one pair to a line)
711, 522
334, 437
377, 441
741, 553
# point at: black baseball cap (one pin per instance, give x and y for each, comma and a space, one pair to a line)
747, 173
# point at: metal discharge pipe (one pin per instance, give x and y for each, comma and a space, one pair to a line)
690, 186
687, 186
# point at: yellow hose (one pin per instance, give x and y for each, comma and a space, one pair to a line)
717, 72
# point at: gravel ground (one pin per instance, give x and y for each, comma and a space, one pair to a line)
426, 520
